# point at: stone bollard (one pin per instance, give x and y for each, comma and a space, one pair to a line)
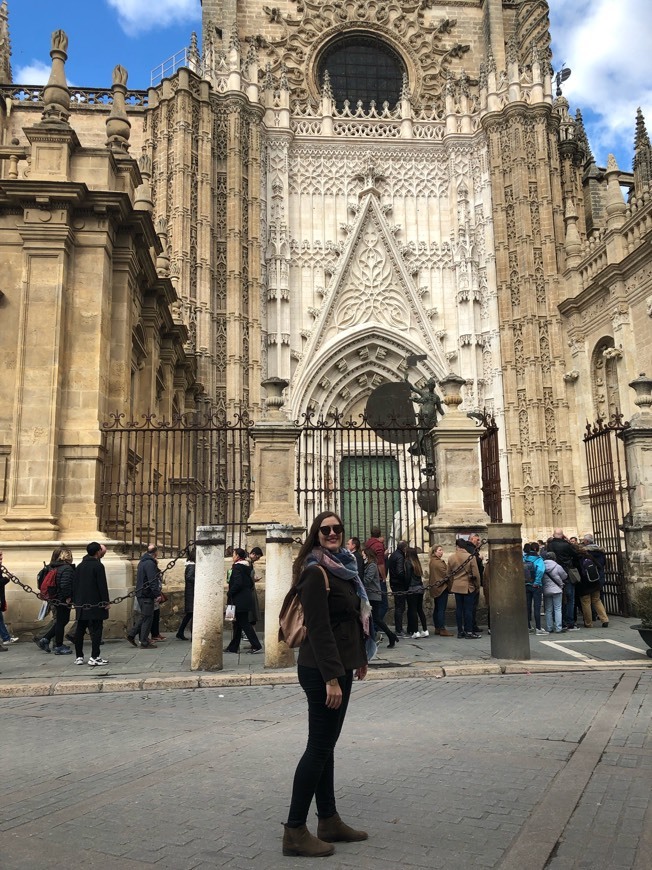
208, 612
278, 579
509, 635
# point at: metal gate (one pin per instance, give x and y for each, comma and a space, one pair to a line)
162, 479
490, 459
370, 477
609, 502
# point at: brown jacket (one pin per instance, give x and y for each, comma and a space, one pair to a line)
334, 641
437, 570
467, 579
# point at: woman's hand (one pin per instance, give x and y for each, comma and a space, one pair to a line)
361, 673
333, 695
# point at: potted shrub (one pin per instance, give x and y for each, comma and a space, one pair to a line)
643, 605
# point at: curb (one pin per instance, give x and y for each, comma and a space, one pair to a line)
289, 677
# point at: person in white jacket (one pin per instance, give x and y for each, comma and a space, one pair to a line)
553, 584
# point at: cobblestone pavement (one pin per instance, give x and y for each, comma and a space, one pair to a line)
25, 662
508, 772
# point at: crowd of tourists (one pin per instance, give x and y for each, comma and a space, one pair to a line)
563, 576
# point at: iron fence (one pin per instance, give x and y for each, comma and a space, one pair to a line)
609, 503
161, 479
370, 477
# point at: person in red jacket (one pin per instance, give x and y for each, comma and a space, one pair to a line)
376, 542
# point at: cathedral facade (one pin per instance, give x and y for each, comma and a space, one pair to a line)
321, 190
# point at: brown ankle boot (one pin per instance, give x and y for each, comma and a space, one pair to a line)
333, 830
444, 633
301, 843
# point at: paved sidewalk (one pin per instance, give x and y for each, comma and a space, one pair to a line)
502, 772
25, 669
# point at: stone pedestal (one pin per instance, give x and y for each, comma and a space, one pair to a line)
456, 449
274, 468
638, 524
509, 634
208, 611
278, 580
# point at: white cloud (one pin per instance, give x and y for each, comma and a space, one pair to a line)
137, 16
608, 46
34, 73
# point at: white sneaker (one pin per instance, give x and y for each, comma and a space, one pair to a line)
98, 661
80, 660
416, 635
11, 640
425, 633
541, 631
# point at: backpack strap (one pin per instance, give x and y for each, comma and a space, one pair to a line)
325, 573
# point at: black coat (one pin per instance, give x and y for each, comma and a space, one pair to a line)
334, 640
3, 599
189, 589
65, 579
241, 587
90, 587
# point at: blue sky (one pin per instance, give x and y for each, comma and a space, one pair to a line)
606, 43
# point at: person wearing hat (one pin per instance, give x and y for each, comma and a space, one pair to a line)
90, 595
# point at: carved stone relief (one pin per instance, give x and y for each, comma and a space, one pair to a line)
427, 44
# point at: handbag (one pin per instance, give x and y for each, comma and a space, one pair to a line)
291, 627
574, 576
229, 615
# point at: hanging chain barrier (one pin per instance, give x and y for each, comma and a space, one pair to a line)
55, 601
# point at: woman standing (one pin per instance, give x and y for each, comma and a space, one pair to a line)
336, 620
553, 586
438, 571
465, 581
63, 596
188, 594
375, 594
415, 593
241, 592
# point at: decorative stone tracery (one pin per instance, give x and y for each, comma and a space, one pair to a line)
426, 43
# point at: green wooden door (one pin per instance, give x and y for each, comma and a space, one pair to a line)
369, 494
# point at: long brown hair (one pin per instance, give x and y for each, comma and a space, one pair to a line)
312, 541
413, 556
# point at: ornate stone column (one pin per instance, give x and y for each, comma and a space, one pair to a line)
273, 465
278, 576
638, 451
456, 448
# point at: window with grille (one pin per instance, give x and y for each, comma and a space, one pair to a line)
362, 68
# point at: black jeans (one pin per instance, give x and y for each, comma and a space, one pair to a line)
143, 624
399, 610
415, 613
314, 775
439, 610
94, 627
61, 619
379, 623
464, 612
240, 626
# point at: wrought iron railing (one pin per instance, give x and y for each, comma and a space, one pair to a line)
609, 503
163, 478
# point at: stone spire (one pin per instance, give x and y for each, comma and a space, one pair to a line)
5, 45
118, 125
56, 96
616, 207
582, 139
642, 155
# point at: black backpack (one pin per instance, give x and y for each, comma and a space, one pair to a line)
591, 571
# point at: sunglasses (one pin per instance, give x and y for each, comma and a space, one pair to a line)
326, 530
